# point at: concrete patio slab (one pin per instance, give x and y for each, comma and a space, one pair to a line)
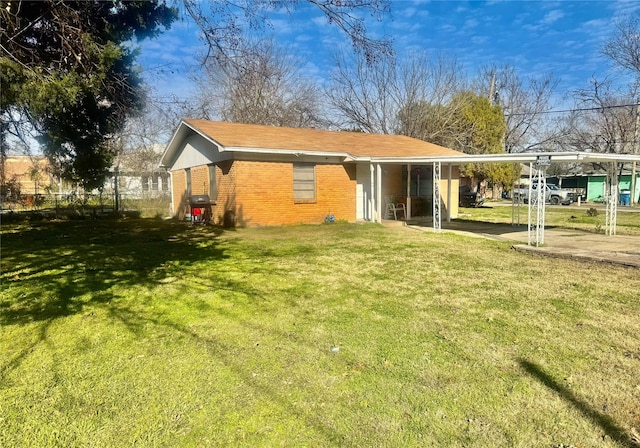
621, 250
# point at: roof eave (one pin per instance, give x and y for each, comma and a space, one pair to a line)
294, 152
168, 156
514, 157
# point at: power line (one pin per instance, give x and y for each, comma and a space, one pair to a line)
564, 111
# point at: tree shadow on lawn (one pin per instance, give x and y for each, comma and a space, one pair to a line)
56, 269
64, 261
136, 323
610, 427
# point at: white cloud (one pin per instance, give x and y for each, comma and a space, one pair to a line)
448, 28
302, 38
320, 21
471, 23
281, 26
624, 7
408, 12
552, 17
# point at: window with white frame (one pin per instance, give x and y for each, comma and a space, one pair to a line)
304, 181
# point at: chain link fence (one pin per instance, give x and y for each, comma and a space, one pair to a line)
146, 205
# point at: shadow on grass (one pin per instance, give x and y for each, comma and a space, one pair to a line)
70, 264
605, 422
136, 322
51, 270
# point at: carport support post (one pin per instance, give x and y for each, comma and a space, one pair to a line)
437, 220
634, 174
379, 192
372, 194
612, 199
408, 192
449, 193
537, 204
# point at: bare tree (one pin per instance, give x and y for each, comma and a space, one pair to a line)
428, 110
364, 95
260, 84
137, 146
225, 24
604, 120
624, 49
525, 103
395, 96
624, 46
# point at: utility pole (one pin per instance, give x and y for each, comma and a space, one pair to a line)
492, 89
633, 164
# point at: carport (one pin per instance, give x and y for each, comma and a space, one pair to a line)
538, 164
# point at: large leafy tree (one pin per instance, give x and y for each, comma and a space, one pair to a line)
68, 70
482, 131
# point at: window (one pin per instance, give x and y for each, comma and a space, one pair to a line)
213, 186
187, 173
304, 181
154, 182
145, 183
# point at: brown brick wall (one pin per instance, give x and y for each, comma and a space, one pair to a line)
178, 190
265, 194
200, 185
261, 193
200, 179
224, 210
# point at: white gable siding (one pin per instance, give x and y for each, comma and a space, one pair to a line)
198, 151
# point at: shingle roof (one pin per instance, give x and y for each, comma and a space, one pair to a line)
236, 135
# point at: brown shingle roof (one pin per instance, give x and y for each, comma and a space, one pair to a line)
297, 139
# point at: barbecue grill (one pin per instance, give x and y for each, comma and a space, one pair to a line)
200, 209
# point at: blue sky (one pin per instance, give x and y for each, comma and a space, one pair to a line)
536, 37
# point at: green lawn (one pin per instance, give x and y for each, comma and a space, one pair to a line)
152, 333
628, 222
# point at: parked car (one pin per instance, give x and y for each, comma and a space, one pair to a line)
554, 195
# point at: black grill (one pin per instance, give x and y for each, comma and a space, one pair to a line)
200, 209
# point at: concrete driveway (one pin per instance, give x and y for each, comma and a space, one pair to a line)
618, 249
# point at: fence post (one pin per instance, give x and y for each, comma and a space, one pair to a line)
116, 202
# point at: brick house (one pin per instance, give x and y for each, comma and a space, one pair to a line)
264, 175
30, 175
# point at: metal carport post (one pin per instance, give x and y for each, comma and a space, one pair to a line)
437, 219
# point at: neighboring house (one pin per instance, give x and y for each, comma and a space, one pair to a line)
592, 184
138, 174
29, 175
588, 182
263, 175
138, 185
